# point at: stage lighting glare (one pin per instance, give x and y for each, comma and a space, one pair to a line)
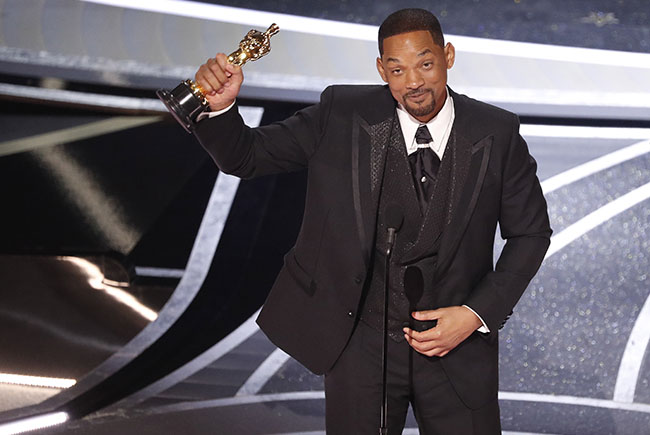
33, 423
97, 281
36, 381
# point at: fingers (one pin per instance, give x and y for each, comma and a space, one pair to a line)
209, 78
445, 336
424, 342
224, 69
232, 71
432, 334
428, 348
428, 314
215, 75
431, 342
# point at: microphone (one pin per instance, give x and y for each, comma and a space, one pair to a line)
394, 219
414, 288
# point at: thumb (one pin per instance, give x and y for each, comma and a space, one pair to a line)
427, 314
235, 71
235, 77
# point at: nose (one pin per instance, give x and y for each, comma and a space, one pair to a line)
414, 79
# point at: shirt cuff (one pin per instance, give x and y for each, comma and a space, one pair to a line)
484, 329
215, 113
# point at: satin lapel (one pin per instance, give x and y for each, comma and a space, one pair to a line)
369, 145
474, 157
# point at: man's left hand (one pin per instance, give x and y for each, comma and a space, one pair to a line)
454, 325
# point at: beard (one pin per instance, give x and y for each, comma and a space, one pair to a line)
416, 110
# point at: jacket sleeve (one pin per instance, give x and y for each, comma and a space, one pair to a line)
279, 147
524, 223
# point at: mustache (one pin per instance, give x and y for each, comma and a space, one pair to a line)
417, 92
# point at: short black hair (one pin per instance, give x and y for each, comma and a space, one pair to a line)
410, 20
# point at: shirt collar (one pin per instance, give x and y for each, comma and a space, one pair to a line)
437, 126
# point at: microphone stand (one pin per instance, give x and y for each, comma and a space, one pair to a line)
383, 429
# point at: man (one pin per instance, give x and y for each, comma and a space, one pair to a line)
454, 167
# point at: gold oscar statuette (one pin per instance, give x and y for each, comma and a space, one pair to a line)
187, 101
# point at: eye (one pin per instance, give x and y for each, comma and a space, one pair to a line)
396, 71
427, 64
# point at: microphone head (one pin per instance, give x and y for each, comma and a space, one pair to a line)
394, 217
413, 285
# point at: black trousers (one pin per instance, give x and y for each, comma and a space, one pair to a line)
353, 395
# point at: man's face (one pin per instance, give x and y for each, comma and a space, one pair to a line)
415, 69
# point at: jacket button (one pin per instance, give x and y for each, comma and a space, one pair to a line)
357, 280
350, 314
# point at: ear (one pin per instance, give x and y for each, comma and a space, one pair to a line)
380, 69
450, 55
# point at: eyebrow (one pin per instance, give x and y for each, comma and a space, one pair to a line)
420, 54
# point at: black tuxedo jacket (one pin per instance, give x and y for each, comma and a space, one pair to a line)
313, 306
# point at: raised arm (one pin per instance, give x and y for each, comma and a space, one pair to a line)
250, 152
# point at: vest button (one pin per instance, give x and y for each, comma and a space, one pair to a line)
350, 313
357, 280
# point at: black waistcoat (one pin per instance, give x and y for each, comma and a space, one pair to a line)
416, 244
